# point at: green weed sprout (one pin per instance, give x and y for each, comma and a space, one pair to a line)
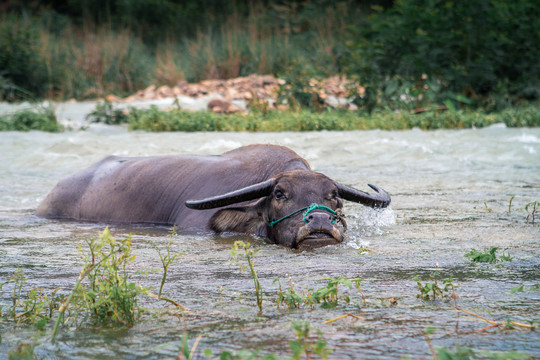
487, 256
305, 346
327, 295
466, 353
38, 307
302, 345
110, 296
432, 290
248, 254
105, 113
167, 259
532, 209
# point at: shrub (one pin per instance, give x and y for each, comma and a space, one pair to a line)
479, 51
40, 118
24, 73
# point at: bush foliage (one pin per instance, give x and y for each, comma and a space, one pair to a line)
481, 52
305, 120
40, 118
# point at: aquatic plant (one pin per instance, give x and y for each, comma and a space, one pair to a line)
432, 290
489, 255
166, 258
303, 346
532, 209
187, 353
36, 118
503, 325
24, 351
248, 254
510, 204
110, 296
107, 114
327, 296
364, 250
517, 289
243, 354
466, 353
36, 308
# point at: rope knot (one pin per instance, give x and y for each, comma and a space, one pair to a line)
337, 215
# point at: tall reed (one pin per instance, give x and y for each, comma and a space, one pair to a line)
92, 60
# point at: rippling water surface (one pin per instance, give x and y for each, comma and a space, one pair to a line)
450, 192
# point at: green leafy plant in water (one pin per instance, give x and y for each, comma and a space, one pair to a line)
488, 256
248, 255
532, 209
243, 354
517, 289
39, 118
364, 250
107, 114
432, 290
109, 296
24, 351
327, 296
303, 346
289, 296
510, 204
38, 307
466, 353
167, 258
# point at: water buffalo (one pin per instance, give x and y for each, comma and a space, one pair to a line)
266, 190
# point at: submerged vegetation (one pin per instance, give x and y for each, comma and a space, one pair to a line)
327, 296
106, 295
248, 254
432, 290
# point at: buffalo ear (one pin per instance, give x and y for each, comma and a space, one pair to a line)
244, 219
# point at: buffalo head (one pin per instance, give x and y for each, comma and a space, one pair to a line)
299, 209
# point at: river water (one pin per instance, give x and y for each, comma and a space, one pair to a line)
450, 191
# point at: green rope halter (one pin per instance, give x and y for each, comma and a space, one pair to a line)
308, 209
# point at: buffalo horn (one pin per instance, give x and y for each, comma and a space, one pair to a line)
380, 199
251, 192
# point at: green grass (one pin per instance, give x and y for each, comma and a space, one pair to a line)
179, 120
154, 119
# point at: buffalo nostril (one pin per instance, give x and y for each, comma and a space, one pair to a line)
316, 218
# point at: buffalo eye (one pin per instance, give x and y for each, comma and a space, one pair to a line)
333, 195
279, 195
